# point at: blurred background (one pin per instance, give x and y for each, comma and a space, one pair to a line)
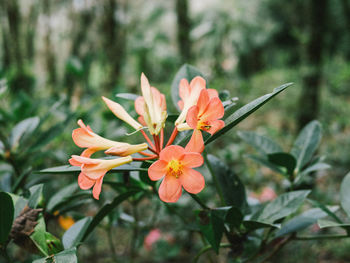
57, 58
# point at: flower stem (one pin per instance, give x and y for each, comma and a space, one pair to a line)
207, 248
172, 137
145, 158
156, 142
315, 237
196, 198
148, 140
146, 154
161, 139
215, 179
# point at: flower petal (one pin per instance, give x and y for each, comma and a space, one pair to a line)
97, 188
88, 152
184, 89
192, 160
196, 143
140, 105
157, 170
192, 117
94, 171
203, 101
213, 93
215, 110
180, 103
215, 126
171, 152
85, 182
170, 189
192, 180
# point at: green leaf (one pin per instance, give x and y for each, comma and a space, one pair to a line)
212, 226
105, 210
127, 96
306, 144
345, 194
314, 167
23, 129
303, 221
66, 256
261, 143
265, 162
75, 169
185, 72
324, 223
285, 160
251, 225
284, 205
6, 216
73, 236
35, 195
39, 237
61, 196
232, 188
243, 112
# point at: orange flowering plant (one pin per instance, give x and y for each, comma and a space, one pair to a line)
168, 161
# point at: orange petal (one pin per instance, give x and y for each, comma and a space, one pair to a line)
84, 182
203, 101
142, 121
215, 110
97, 188
88, 152
197, 83
192, 180
192, 117
180, 103
215, 126
170, 189
74, 162
171, 152
93, 171
213, 93
140, 105
196, 143
157, 170
192, 160
184, 89
85, 160
82, 137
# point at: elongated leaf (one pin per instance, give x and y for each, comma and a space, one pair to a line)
66, 256
185, 72
7, 211
23, 129
315, 167
105, 210
75, 169
232, 188
261, 160
61, 196
285, 160
127, 96
345, 194
303, 221
35, 195
284, 205
306, 143
324, 223
243, 112
251, 225
73, 236
261, 143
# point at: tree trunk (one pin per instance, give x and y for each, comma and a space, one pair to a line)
309, 102
183, 30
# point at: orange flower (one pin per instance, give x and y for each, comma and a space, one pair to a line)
189, 94
93, 171
175, 165
204, 116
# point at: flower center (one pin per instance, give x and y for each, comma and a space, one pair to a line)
203, 125
174, 168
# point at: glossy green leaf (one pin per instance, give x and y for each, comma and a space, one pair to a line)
61, 196
23, 129
6, 216
251, 225
306, 144
66, 256
105, 210
76, 169
185, 72
261, 143
314, 167
73, 236
127, 96
263, 161
325, 223
211, 224
345, 194
243, 112
284, 205
303, 221
285, 160
35, 195
232, 188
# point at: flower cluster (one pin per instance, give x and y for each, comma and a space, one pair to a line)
201, 110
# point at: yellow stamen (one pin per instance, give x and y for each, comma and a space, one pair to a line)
174, 168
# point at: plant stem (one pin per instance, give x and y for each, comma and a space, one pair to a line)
320, 237
207, 248
196, 198
161, 139
135, 232
148, 140
215, 179
277, 248
111, 243
172, 137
